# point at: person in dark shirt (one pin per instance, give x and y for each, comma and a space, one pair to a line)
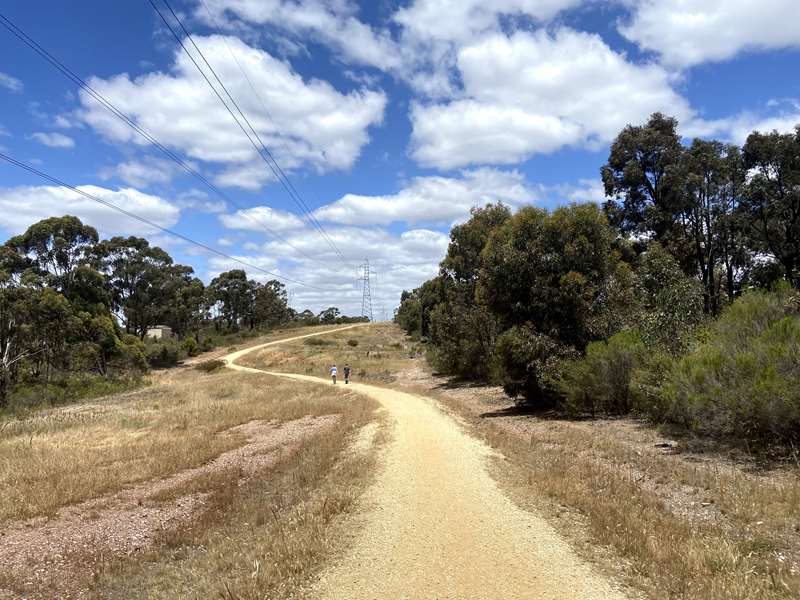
347, 373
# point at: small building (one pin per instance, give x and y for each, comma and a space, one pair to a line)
160, 332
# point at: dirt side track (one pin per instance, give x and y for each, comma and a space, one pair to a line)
437, 526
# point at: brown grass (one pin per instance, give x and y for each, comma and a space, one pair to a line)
379, 353
263, 539
59, 457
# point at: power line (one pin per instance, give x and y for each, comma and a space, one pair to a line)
146, 221
77, 80
263, 152
258, 97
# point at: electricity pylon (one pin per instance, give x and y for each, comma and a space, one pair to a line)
366, 297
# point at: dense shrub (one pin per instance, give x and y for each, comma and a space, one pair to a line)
600, 382
531, 364
190, 347
316, 341
352, 343
163, 354
743, 382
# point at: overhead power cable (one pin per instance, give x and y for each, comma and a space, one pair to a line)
150, 223
261, 149
77, 80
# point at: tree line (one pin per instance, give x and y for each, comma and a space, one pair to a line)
72, 305
648, 303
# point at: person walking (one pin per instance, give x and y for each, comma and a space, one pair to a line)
334, 372
347, 373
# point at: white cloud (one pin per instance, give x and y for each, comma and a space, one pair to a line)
430, 199
22, 206
141, 173
781, 115
199, 200
687, 32
258, 218
12, 84
332, 23
307, 123
4, 131
53, 140
461, 21
401, 261
536, 93
586, 190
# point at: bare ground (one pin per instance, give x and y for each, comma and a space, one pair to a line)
59, 556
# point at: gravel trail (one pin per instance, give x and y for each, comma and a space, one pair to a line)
437, 526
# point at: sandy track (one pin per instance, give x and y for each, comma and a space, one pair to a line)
437, 526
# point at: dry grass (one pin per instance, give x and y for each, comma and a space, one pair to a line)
263, 539
693, 525
59, 457
678, 526
379, 353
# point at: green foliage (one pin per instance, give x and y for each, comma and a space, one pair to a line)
742, 382
600, 381
163, 353
771, 202
463, 337
531, 364
672, 303
190, 347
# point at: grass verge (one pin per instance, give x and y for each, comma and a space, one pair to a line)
263, 539
58, 457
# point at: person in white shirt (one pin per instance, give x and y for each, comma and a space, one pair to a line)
334, 372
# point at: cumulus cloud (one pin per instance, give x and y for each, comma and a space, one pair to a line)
687, 33
431, 199
53, 140
141, 173
781, 115
462, 21
535, 93
401, 261
22, 206
332, 23
258, 218
304, 123
12, 84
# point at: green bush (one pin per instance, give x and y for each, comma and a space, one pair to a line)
163, 354
208, 343
190, 347
130, 357
352, 343
529, 364
600, 382
742, 383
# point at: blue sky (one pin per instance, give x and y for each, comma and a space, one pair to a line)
392, 119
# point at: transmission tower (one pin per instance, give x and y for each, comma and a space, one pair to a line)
366, 297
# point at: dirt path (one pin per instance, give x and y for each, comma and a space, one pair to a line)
437, 525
